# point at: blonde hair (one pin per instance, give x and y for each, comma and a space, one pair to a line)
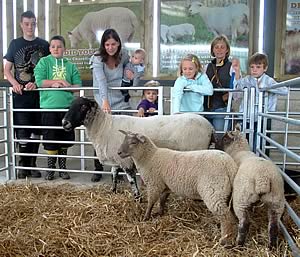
194, 59
140, 51
151, 83
218, 39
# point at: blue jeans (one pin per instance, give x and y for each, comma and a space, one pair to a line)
218, 121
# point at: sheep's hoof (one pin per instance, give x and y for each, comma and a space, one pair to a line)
114, 190
146, 218
226, 242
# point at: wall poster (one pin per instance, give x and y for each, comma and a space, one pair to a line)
83, 24
292, 38
189, 26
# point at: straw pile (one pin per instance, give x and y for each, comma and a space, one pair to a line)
66, 220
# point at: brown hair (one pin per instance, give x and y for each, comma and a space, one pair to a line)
193, 58
259, 58
218, 39
27, 14
108, 34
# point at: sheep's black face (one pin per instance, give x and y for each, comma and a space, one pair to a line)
77, 113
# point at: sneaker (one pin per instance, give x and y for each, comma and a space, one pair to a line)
50, 175
64, 175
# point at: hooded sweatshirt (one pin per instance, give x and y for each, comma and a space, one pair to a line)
50, 68
192, 100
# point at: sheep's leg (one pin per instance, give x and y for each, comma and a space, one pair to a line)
131, 176
244, 224
162, 201
216, 201
115, 173
153, 196
273, 227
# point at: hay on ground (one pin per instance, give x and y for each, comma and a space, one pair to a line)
66, 220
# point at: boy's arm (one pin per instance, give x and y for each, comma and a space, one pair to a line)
16, 87
279, 91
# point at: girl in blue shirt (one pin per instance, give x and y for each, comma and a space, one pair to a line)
190, 87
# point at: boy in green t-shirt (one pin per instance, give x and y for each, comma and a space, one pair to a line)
54, 71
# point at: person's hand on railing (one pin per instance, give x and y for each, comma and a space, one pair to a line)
17, 88
30, 86
105, 106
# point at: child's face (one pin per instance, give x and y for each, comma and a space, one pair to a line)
220, 50
57, 48
137, 59
150, 95
28, 26
189, 69
256, 70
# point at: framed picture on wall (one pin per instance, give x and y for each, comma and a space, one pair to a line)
287, 64
189, 26
82, 24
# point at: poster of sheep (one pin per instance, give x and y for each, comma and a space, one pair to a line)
190, 26
83, 25
292, 36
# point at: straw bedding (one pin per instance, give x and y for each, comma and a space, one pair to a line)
66, 220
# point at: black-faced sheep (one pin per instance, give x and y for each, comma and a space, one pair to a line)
206, 174
180, 132
256, 179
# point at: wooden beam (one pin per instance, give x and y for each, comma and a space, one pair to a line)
19, 11
30, 6
41, 18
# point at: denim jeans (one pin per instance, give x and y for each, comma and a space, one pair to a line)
218, 121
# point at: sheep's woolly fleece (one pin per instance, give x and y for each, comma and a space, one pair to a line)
66, 220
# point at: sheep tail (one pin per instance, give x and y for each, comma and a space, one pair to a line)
262, 185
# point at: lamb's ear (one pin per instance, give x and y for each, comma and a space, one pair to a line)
123, 132
141, 138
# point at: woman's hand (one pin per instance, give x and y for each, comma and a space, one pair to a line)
105, 106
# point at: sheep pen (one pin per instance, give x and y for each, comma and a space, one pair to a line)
51, 219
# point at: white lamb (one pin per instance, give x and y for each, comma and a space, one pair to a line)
232, 20
181, 132
123, 20
181, 31
257, 179
207, 175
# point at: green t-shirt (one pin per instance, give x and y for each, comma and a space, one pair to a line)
50, 68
